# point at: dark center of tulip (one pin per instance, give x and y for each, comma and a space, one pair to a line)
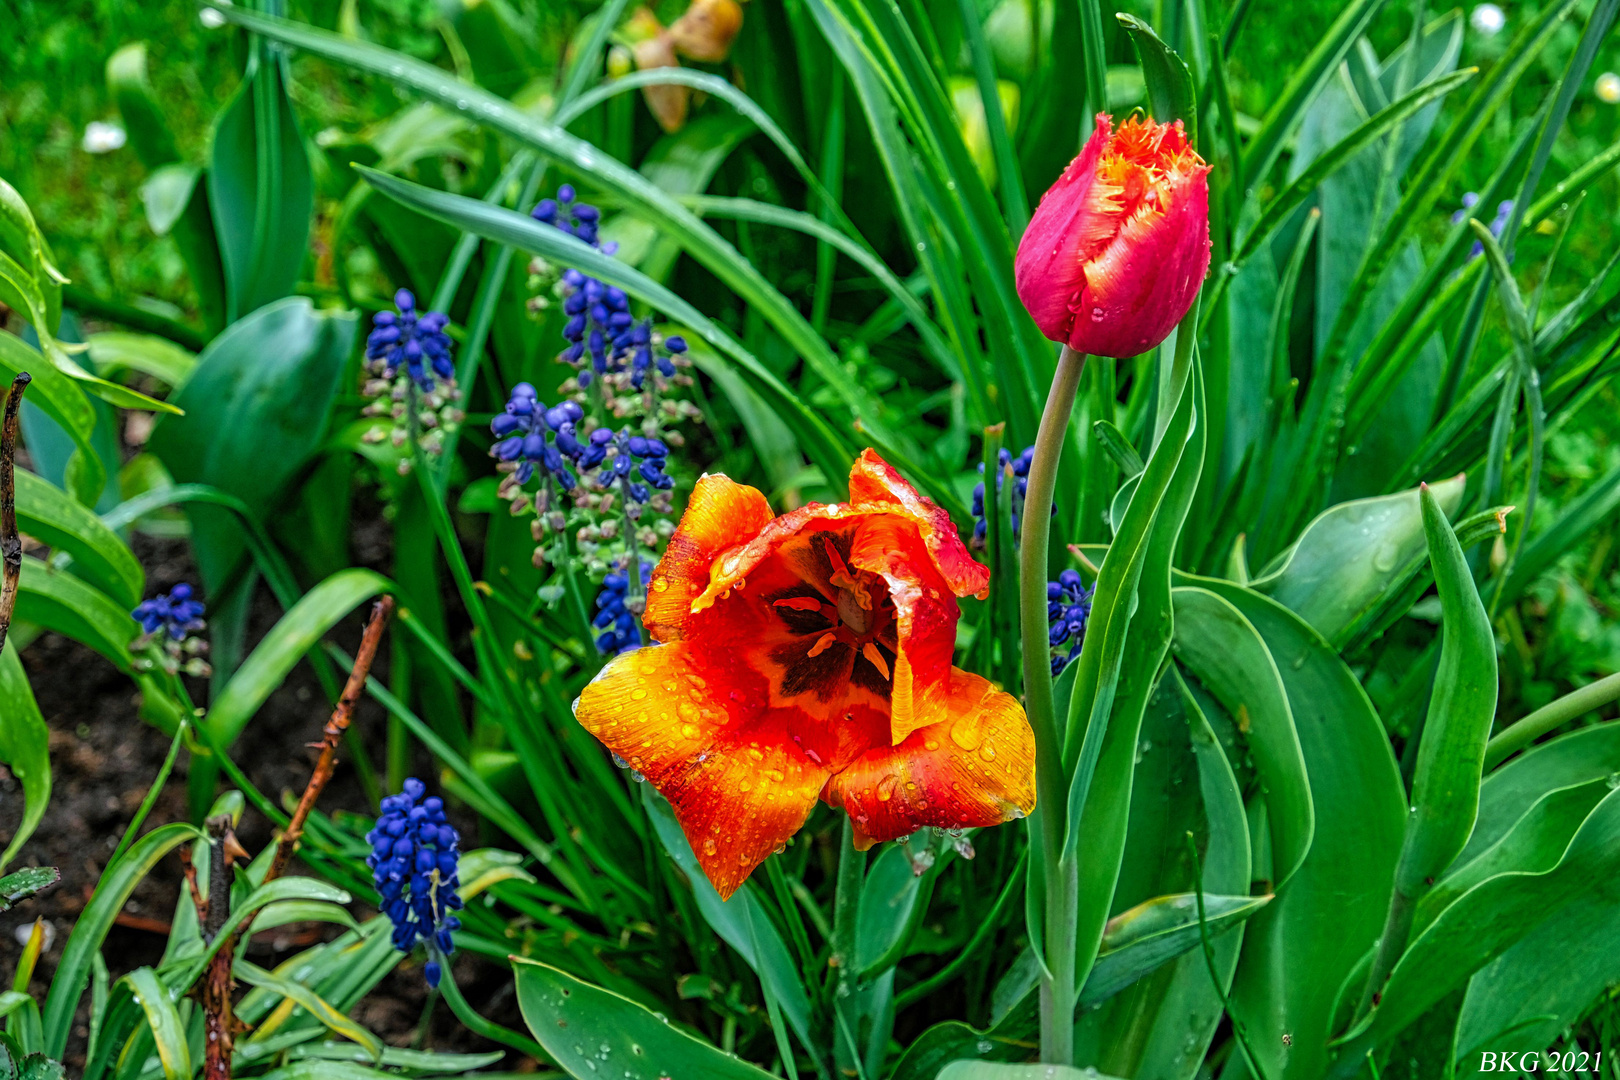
840, 621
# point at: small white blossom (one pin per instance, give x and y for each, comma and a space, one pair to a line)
102, 138
1608, 88
1488, 19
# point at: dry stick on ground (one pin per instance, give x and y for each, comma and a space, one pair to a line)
10, 542
221, 1025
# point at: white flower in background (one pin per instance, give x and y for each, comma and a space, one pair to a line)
100, 138
211, 18
1488, 19
1608, 88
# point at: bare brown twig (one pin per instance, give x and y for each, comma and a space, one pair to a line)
221, 1025
381, 612
10, 541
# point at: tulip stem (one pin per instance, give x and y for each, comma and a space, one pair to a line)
1051, 786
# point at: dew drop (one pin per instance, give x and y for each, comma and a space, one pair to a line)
638, 693
988, 752
1096, 314
689, 731
966, 734
885, 788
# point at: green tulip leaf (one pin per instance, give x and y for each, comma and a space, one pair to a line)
590, 1030
53, 517
25, 749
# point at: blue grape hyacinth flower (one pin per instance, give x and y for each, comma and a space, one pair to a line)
1015, 506
536, 436
1068, 610
416, 342
613, 615
176, 614
414, 859
633, 456
1504, 210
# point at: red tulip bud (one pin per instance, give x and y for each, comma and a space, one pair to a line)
1118, 248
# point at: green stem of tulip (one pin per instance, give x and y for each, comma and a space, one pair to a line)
1571, 706
1051, 786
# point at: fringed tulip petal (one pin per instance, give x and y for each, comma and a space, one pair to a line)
973, 769
873, 480
1118, 248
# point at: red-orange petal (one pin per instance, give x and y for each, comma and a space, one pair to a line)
925, 620
873, 480
975, 768
741, 778
720, 514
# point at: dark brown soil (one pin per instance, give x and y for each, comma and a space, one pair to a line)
103, 760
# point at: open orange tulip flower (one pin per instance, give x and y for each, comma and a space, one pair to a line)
806, 656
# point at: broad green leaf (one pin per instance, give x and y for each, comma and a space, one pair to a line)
256, 407
741, 921
117, 882
1219, 645
260, 188
167, 193
56, 599
989, 1070
25, 749
297, 632
312, 1003
53, 517
1151, 934
1445, 786
1489, 920
115, 350
1162, 1024
1351, 557
1507, 794
1115, 676
587, 1029
321, 1069
55, 395
1301, 946
1539, 987
1532, 845
21, 884
163, 1020
818, 439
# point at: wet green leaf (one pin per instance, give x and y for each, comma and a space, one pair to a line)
588, 1029
25, 749
1351, 557
51, 516
163, 1020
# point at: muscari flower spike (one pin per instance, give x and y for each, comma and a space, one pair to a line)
632, 456
523, 430
645, 349
176, 614
613, 615
1020, 471
416, 342
1068, 609
413, 860
1504, 210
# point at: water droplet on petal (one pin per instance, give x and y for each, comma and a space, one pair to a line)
885, 788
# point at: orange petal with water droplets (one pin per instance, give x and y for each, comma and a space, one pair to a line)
720, 514
973, 769
873, 480
741, 779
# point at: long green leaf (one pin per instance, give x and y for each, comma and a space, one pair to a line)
56, 599
312, 1003
824, 446
163, 1020
25, 749
52, 516
118, 881
587, 1029
702, 242
298, 631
